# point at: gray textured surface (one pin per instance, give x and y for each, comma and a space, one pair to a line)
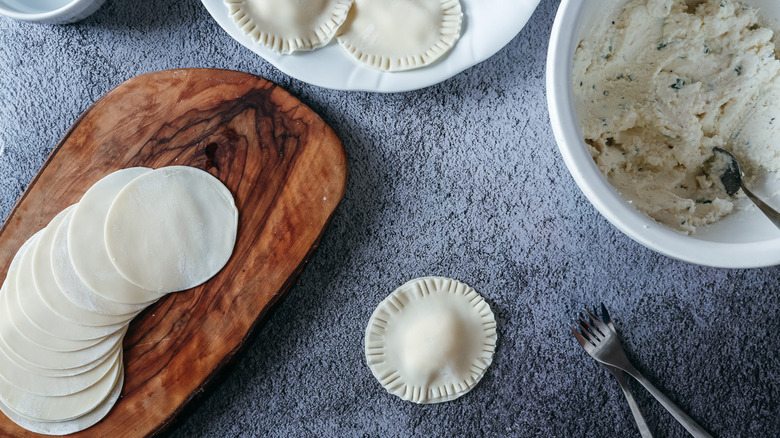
462, 179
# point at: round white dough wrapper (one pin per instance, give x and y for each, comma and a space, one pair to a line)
43, 316
27, 354
71, 285
12, 318
51, 372
9, 301
18, 317
171, 229
60, 428
68, 407
51, 294
431, 340
33, 354
87, 247
54, 386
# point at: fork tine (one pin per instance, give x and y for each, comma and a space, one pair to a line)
605, 316
587, 328
580, 338
583, 332
602, 328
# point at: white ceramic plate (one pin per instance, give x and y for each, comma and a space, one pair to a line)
488, 25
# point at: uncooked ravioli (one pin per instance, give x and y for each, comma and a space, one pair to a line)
171, 229
397, 35
431, 340
87, 247
287, 26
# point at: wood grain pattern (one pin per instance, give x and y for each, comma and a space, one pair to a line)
287, 171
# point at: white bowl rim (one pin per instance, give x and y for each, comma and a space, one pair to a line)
600, 192
41, 16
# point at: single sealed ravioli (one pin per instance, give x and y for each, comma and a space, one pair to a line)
397, 35
287, 26
431, 340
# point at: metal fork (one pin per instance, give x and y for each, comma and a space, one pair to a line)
602, 343
641, 424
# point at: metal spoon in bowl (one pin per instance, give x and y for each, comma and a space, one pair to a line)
726, 165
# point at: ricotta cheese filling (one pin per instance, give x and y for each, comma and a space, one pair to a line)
661, 83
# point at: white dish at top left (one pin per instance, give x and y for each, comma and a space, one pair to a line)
49, 11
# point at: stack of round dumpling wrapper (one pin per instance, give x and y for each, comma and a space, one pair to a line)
73, 287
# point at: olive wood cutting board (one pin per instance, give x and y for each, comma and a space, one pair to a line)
287, 171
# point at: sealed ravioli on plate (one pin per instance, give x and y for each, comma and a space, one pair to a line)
431, 340
287, 26
397, 35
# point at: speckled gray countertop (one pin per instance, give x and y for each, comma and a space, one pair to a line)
462, 179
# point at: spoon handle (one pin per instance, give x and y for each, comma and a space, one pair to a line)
770, 212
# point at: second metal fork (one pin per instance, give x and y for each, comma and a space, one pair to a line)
602, 343
641, 424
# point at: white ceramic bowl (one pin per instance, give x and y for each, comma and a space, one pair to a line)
742, 240
49, 11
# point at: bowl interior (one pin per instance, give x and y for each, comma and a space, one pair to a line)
747, 233
33, 6
592, 11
